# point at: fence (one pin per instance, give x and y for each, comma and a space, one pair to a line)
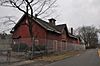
5, 50
58, 46
5, 44
48, 45
42, 44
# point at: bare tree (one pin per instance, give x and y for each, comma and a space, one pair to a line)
32, 7
6, 22
38, 7
88, 35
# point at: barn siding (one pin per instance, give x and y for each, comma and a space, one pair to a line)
42, 36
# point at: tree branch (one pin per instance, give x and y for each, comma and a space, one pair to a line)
28, 4
47, 8
42, 7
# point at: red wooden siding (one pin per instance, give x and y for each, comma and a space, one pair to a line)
42, 35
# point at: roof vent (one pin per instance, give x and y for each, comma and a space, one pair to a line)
71, 31
52, 21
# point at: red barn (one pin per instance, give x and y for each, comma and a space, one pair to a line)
45, 33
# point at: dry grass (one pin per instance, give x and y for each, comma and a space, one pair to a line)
60, 56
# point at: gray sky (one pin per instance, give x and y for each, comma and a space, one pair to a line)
74, 13
80, 12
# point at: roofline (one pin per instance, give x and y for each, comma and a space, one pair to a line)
37, 22
19, 20
47, 28
64, 26
72, 36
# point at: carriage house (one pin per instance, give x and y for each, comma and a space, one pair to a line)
45, 33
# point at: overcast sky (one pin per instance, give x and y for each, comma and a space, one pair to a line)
74, 13
80, 12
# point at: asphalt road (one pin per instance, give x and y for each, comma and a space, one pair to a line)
89, 58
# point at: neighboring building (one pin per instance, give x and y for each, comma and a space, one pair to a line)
44, 32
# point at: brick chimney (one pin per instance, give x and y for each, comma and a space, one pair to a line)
71, 31
52, 21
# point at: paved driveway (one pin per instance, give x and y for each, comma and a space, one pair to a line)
89, 58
